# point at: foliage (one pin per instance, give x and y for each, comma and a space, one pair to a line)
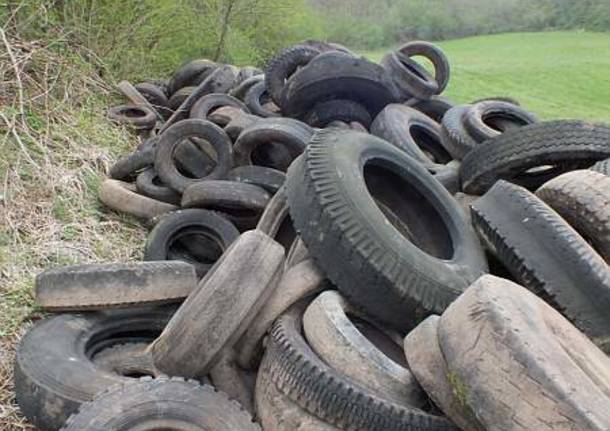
137, 39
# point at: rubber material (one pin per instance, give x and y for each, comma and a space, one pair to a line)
267, 178
121, 196
147, 184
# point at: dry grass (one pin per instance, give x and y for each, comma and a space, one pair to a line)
55, 145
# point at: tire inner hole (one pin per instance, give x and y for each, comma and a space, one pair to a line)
195, 158
273, 155
503, 122
408, 210
196, 243
133, 112
430, 144
380, 339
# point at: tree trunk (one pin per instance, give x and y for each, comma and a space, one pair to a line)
226, 18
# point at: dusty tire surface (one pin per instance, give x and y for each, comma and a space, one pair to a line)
486, 120
546, 255
207, 104
602, 167
98, 286
456, 138
122, 197
215, 316
54, 372
126, 359
302, 280
520, 365
582, 198
128, 165
149, 184
297, 372
170, 139
360, 350
416, 268
162, 403
560, 146
268, 178
139, 117
428, 365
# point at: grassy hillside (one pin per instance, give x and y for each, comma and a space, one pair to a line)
556, 75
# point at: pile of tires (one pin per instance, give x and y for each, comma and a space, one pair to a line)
335, 246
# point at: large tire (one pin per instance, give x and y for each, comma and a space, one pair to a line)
399, 251
520, 365
437, 57
562, 145
582, 198
486, 120
435, 107
454, 135
413, 132
122, 197
346, 111
90, 287
300, 281
428, 365
156, 97
267, 178
213, 318
172, 137
411, 78
361, 351
161, 403
190, 74
336, 75
547, 256
54, 372
297, 372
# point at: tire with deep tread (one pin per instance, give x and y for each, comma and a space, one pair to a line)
562, 145
297, 372
602, 167
162, 402
366, 245
546, 255
283, 65
456, 138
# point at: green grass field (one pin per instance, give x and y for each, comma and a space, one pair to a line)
555, 75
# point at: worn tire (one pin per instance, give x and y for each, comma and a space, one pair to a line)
437, 57
256, 97
520, 365
546, 255
267, 178
54, 373
413, 274
156, 97
486, 120
300, 281
297, 372
172, 137
139, 117
129, 165
347, 111
563, 145
454, 135
413, 132
360, 350
283, 66
411, 78
207, 104
99, 286
162, 403
179, 97
602, 167
173, 230
242, 89
336, 75
215, 316
428, 365
435, 107
190, 74
149, 184
582, 198
122, 197
127, 359
292, 135
243, 204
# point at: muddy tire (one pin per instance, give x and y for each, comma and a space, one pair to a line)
165, 402
127, 359
546, 255
296, 371
556, 146
172, 137
99, 286
54, 372
428, 365
370, 238
122, 197
361, 351
300, 281
582, 198
215, 316
503, 343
